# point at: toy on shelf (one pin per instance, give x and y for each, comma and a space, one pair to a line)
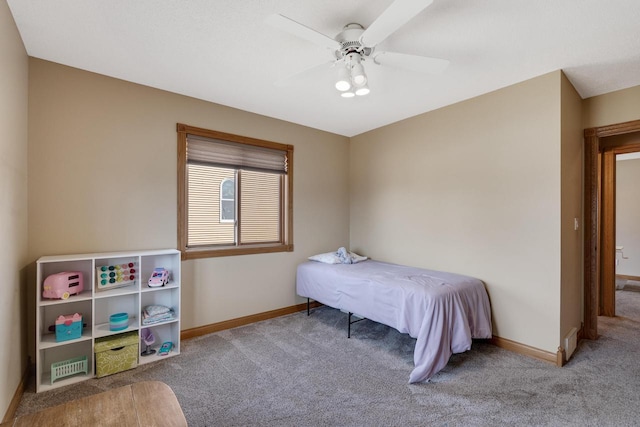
69, 367
62, 285
115, 276
165, 348
52, 328
159, 277
147, 337
118, 322
68, 327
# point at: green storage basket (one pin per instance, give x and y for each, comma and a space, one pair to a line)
116, 353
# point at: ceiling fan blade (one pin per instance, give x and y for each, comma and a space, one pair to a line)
299, 30
394, 17
309, 74
421, 64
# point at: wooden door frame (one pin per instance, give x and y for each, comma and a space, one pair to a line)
596, 261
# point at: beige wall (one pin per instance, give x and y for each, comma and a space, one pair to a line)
611, 108
102, 177
13, 207
628, 216
484, 187
473, 188
572, 157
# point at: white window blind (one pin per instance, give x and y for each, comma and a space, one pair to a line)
260, 207
205, 226
259, 173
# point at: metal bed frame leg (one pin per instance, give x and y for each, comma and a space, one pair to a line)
350, 322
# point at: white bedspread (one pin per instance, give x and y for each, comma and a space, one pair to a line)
443, 311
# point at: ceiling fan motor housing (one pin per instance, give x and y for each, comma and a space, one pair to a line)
349, 40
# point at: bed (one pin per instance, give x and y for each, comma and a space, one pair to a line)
443, 311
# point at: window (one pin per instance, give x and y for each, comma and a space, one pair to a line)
228, 200
234, 194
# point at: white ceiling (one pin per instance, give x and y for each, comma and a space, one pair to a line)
223, 52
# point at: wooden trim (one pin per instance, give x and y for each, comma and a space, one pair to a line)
612, 130
526, 350
246, 320
561, 357
289, 200
286, 245
591, 235
608, 236
625, 277
627, 148
239, 250
581, 335
628, 144
182, 194
17, 396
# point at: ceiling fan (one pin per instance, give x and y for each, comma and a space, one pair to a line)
355, 45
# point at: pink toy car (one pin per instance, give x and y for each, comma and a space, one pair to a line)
159, 277
63, 285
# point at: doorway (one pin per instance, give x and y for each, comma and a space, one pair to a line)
602, 144
627, 199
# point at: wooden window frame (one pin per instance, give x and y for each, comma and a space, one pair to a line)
286, 244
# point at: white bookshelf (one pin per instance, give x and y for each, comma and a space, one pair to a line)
97, 305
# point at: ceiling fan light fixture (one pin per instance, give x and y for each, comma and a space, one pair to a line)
343, 85
358, 75
344, 80
363, 90
352, 79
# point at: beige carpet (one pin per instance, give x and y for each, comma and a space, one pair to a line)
303, 371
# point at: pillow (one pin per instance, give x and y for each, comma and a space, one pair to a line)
328, 258
340, 257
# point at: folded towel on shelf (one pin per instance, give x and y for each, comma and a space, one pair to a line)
156, 313
153, 310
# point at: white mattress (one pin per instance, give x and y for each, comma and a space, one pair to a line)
443, 311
